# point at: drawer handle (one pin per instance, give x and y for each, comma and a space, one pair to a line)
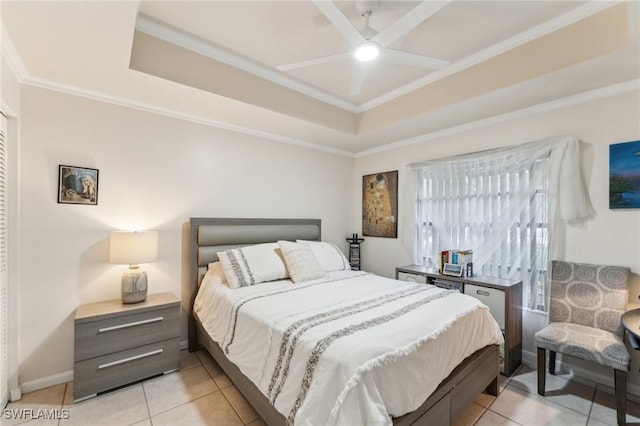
131, 324
131, 358
411, 279
482, 293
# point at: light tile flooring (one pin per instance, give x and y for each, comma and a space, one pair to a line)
200, 394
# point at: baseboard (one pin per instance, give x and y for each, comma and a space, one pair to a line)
46, 382
600, 377
15, 394
184, 344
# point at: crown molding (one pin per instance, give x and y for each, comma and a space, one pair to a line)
13, 58
603, 92
143, 106
163, 31
547, 27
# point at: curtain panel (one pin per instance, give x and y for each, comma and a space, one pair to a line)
504, 204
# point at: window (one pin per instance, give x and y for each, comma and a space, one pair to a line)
499, 210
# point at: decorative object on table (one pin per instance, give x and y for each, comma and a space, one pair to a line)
134, 248
77, 185
624, 175
452, 269
380, 205
354, 251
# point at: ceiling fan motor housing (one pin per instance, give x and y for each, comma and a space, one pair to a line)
366, 7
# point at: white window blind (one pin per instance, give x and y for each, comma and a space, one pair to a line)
3, 266
504, 204
497, 207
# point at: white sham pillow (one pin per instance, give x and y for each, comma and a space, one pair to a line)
253, 264
301, 262
328, 255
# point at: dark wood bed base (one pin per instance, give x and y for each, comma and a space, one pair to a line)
478, 372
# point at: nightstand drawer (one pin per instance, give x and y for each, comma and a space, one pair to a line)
114, 334
103, 373
412, 278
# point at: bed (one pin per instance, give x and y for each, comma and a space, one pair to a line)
476, 373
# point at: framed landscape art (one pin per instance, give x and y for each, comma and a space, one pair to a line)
624, 175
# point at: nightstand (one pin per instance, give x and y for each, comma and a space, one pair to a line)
116, 344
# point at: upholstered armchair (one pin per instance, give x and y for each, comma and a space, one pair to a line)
587, 302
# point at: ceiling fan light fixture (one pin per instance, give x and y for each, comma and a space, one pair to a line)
367, 51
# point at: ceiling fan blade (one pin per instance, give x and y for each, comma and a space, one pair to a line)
357, 78
314, 61
409, 21
413, 60
331, 11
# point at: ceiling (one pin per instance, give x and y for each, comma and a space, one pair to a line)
283, 69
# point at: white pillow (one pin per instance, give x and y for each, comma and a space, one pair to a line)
253, 264
301, 262
328, 255
215, 269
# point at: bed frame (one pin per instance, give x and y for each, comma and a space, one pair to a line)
478, 372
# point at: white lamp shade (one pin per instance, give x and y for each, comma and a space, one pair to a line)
133, 248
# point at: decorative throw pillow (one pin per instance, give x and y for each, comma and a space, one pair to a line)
253, 264
328, 255
301, 262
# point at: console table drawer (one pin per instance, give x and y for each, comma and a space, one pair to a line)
114, 334
491, 297
412, 278
105, 372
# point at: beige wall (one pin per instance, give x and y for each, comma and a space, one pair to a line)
155, 173
612, 237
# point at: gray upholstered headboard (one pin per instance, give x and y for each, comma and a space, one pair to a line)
208, 236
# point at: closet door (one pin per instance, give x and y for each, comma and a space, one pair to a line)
4, 293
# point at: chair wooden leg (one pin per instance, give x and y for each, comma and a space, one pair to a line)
552, 362
620, 383
541, 371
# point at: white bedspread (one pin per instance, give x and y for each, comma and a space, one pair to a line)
352, 348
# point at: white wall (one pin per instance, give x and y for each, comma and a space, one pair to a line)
612, 237
154, 173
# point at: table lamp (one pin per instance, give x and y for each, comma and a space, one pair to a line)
133, 248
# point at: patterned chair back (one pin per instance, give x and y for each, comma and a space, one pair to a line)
591, 295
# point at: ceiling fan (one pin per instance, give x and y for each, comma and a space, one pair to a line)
369, 44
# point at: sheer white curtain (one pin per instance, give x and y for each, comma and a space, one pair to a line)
502, 204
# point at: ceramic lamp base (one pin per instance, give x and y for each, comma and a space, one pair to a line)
134, 286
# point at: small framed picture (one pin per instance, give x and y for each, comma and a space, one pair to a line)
452, 269
77, 185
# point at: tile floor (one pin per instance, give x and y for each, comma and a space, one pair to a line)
200, 394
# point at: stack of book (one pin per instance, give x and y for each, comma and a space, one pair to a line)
458, 257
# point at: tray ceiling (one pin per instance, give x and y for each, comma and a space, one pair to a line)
284, 68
